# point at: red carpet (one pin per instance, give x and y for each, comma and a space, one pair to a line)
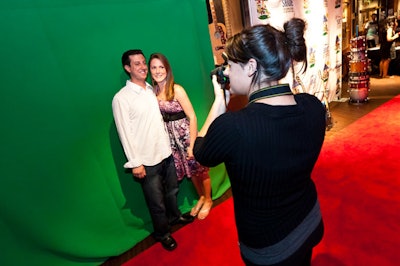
209, 242
358, 180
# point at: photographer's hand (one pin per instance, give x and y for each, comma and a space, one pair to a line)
219, 91
218, 107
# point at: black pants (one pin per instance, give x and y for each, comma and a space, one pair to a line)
160, 188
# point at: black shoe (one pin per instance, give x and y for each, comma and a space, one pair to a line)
183, 219
169, 243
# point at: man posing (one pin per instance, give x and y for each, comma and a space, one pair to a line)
147, 148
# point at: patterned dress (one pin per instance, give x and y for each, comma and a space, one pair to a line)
179, 136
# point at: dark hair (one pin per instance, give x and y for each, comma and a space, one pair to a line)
391, 21
273, 49
126, 60
169, 84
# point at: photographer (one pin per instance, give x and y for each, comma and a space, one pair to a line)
269, 147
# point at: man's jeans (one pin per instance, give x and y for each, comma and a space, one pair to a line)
160, 188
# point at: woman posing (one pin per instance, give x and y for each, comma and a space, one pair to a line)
181, 123
387, 38
269, 147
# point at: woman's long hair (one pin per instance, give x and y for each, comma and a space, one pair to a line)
169, 84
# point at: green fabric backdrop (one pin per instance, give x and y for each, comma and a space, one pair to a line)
65, 198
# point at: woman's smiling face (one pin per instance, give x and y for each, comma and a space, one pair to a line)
157, 70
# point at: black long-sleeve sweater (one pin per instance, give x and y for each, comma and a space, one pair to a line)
269, 153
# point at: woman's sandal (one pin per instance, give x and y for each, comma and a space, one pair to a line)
203, 213
196, 209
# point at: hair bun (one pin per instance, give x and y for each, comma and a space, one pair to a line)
294, 32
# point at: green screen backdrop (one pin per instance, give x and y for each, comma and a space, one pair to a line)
65, 198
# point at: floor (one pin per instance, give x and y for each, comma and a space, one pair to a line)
343, 113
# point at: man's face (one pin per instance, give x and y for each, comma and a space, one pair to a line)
138, 67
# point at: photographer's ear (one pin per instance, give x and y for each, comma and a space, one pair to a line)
251, 67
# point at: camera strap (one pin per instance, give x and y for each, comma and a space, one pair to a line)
268, 92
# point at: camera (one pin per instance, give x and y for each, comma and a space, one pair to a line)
219, 72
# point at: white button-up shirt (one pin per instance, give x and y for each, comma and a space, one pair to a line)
140, 126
